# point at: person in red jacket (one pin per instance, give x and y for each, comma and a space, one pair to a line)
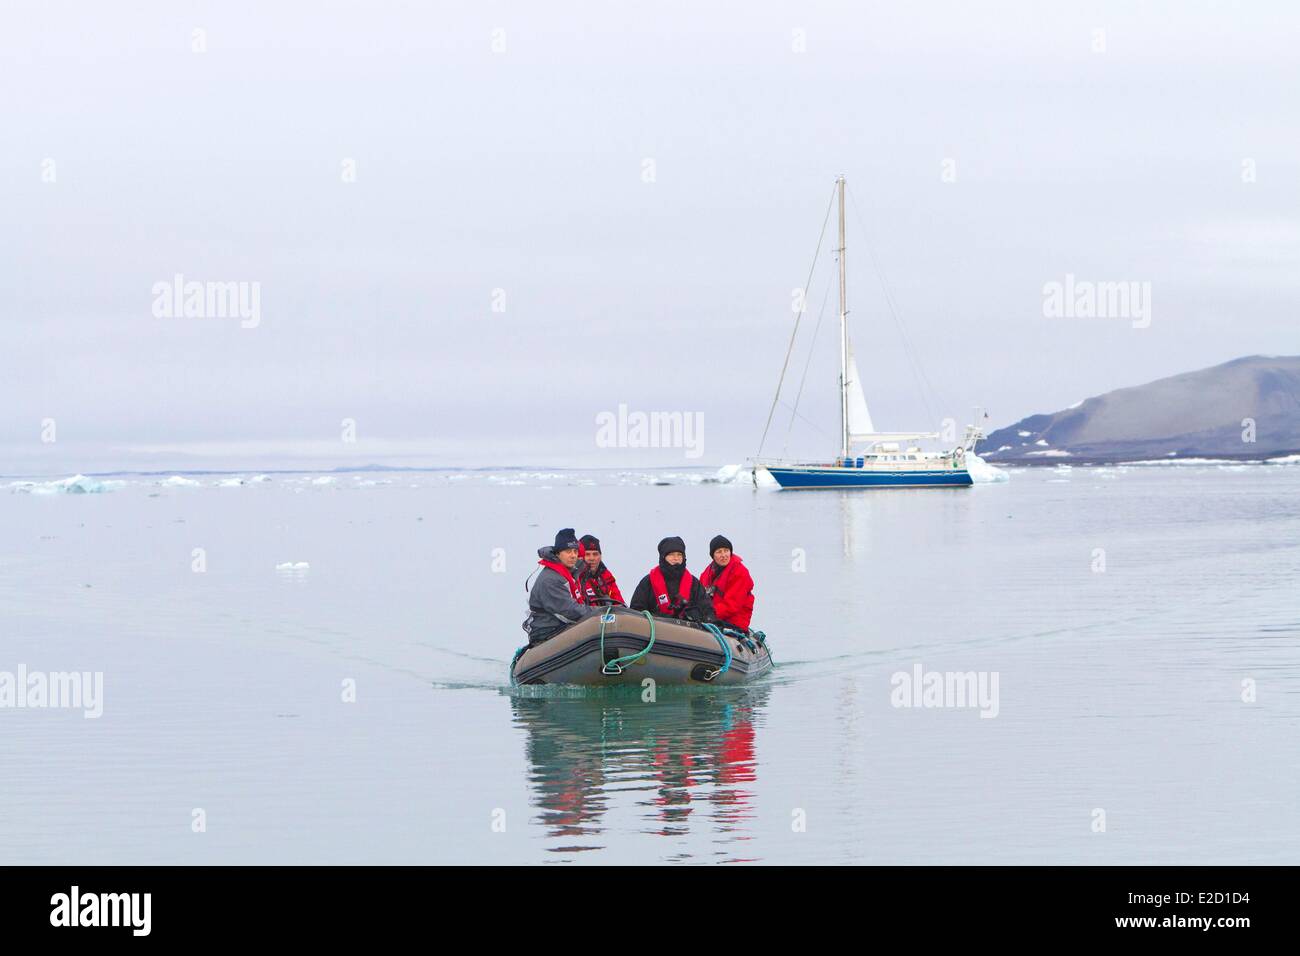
595, 581
727, 581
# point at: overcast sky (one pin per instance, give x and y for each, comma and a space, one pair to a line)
645, 185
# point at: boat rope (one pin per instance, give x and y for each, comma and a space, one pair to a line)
812, 348
515, 660
925, 388
726, 651
616, 666
798, 318
794, 412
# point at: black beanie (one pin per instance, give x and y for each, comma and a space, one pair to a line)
590, 542
565, 538
668, 545
719, 542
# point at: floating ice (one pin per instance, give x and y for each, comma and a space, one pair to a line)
177, 481
76, 485
982, 473
1182, 462
293, 566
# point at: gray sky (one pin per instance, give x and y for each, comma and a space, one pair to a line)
523, 170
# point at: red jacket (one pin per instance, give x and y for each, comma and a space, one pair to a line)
598, 585
733, 595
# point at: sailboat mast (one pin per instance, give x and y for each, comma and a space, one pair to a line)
844, 339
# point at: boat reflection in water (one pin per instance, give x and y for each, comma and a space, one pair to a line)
681, 767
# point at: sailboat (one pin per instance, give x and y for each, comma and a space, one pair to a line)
869, 458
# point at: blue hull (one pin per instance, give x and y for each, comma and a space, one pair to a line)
860, 478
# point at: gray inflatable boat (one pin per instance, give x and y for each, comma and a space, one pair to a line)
625, 647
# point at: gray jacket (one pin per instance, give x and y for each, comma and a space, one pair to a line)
551, 606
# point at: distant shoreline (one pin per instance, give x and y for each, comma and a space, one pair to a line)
1282, 458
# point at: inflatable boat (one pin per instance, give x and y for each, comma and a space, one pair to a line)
621, 646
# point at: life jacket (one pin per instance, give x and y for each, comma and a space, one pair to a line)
566, 574
598, 585
668, 606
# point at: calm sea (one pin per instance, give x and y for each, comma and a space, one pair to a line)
1133, 636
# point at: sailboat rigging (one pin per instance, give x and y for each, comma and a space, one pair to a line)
867, 458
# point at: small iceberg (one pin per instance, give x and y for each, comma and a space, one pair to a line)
982, 473
76, 485
80, 485
177, 481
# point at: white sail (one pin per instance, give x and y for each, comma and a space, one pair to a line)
860, 425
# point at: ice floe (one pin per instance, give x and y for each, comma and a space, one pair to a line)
982, 473
76, 485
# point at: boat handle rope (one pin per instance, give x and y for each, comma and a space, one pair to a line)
615, 667
515, 660
726, 650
